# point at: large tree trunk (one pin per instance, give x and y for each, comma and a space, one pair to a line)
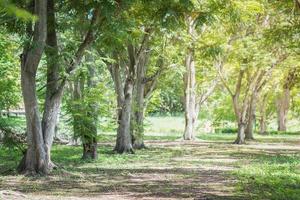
190, 88
190, 97
124, 99
282, 109
125, 94
251, 117
54, 91
35, 158
241, 134
124, 140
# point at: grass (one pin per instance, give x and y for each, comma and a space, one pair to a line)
271, 177
210, 168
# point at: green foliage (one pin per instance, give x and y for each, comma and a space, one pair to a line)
13, 134
10, 9
226, 130
283, 133
10, 93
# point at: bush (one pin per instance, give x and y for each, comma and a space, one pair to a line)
273, 132
226, 130
12, 136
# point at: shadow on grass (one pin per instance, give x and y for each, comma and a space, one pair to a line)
136, 183
278, 176
149, 173
165, 170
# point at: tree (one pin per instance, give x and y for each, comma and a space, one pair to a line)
10, 93
124, 92
40, 133
35, 159
283, 100
145, 85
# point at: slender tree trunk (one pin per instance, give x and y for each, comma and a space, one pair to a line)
263, 117
89, 141
262, 125
282, 109
35, 158
190, 97
251, 117
190, 88
138, 107
77, 109
241, 119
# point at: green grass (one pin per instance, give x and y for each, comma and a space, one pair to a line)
271, 177
211, 168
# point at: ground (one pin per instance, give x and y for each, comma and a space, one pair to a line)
209, 168
169, 169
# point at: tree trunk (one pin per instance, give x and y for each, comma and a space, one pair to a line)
89, 140
35, 158
124, 140
282, 109
54, 91
124, 98
241, 119
90, 149
241, 134
263, 117
262, 125
138, 107
190, 87
251, 117
190, 97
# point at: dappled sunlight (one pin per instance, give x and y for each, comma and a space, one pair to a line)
185, 170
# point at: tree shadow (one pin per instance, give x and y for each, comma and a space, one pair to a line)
136, 183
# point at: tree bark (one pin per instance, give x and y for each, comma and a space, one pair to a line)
241, 134
124, 140
282, 109
251, 117
241, 121
125, 93
190, 88
124, 99
240, 111
139, 105
262, 125
89, 140
190, 98
263, 116
283, 102
54, 91
35, 158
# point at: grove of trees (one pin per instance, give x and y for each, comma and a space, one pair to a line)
107, 64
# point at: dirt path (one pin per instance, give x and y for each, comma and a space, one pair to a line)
167, 170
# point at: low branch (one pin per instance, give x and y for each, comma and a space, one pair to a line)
204, 96
88, 39
219, 67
